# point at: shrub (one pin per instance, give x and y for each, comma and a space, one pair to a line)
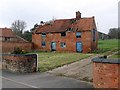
18, 51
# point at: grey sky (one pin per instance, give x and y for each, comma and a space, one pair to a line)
34, 11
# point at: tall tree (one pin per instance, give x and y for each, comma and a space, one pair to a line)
18, 26
27, 35
114, 33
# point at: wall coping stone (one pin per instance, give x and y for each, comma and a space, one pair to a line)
106, 60
17, 54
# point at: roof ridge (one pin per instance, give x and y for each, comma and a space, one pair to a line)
21, 38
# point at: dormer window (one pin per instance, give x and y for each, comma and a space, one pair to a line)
78, 34
63, 34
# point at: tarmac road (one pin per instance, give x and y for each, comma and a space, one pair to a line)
40, 80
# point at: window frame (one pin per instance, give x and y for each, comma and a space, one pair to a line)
43, 45
78, 36
43, 35
63, 34
63, 45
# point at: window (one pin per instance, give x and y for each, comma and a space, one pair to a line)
63, 34
43, 44
63, 45
78, 34
94, 35
43, 35
7, 39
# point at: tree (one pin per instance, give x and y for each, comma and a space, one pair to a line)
114, 33
27, 35
18, 26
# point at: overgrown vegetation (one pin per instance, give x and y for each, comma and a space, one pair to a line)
19, 51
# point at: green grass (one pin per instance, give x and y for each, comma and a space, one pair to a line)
116, 55
51, 60
107, 45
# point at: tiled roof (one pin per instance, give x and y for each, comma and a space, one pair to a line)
63, 25
6, 32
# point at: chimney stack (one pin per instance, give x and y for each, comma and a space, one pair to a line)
78, 15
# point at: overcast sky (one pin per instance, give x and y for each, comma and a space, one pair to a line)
34, 11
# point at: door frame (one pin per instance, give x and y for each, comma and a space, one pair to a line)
81, 47
55, 46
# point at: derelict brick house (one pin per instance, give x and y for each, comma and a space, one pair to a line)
9, 41
71, 35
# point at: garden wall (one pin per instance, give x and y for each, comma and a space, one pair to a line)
10, 46
22, 63
106, 73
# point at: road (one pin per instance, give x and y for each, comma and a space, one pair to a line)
40, 80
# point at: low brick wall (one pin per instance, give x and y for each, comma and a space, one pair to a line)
22, 63
106, 73
8, 47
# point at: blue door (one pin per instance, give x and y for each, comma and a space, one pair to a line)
53, 46
79, 47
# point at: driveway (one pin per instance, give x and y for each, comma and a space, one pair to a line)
40, 80
80, 70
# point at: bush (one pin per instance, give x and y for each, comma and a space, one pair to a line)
19, 51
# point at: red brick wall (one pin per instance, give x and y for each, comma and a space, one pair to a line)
106, 75
70, 40
19, 63
95, 43
9, 46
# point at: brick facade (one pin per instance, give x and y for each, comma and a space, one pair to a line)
9, 41
70, 39
21, 63
106, 74
8, 47
70, 27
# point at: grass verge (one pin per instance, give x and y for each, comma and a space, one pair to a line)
50, 60
107, 46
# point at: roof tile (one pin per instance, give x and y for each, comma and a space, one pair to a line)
6, 32
62, 25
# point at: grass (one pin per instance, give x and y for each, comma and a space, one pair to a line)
116, 55
107, 45
50, 60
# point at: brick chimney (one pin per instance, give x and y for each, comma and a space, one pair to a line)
78, 15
